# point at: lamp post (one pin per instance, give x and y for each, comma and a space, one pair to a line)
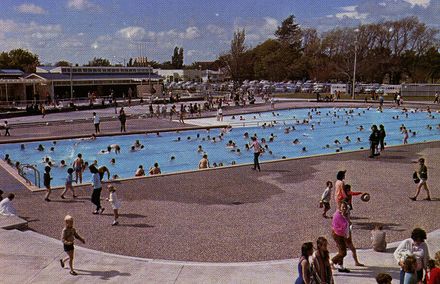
200, 73
353, 93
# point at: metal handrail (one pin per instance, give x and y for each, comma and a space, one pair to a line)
22, 173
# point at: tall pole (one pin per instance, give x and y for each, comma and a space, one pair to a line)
354, 72
71, 84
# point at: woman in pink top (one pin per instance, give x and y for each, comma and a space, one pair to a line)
340, 233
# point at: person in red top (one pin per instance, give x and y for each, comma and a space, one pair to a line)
433, 275
350, 194
340, 194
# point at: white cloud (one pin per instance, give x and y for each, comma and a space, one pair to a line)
351, 13
82, 5
215, 30
132, 33
422, 3
190, 33
29, 8
8, 26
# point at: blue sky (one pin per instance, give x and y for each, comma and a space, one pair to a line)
78, 30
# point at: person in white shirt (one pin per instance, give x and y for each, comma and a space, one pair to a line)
96, 122
325, 199
413, 246
115, 203
6, 206
219, 114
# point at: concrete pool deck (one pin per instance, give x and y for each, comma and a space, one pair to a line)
222, 216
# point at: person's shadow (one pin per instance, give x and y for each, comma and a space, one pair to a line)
103, 275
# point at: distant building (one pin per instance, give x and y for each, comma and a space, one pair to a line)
56, 83
176, 75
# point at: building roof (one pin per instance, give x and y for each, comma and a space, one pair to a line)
98, 76
11, 72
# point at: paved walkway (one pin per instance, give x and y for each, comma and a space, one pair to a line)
27, 257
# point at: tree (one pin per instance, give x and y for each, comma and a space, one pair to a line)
175, 58
180, 58
234, 60
289, 33
19, 59
99, 62
63, 63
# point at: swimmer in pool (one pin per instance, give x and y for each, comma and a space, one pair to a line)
40, 148
155, 170
358, 140
204, 162
140, 171
230, 144
199, 149
112, 161
63, 164
246, 146
347, 139
177, 140
304, 149
337, 142
296, 141
360, 128
116, 148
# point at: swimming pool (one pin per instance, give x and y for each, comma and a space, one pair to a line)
325, 125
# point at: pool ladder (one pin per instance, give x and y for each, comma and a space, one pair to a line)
22, 173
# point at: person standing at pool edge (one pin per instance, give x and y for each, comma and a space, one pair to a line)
78, 165
47, 178
374, 141
97, 187
96, 122
123, 119
257, 152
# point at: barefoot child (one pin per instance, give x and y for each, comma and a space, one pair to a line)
115, 202
68, 238
47, 178
350, 194
69, 181
325, 199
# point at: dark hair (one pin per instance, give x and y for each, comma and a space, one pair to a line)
319, 242
156, 165
79, 155
11, 196
328, 183
408, 264
347, 187
93, 169
70, 170
418, 234
305, 248
340, 175
383, 278
47, 169
431, 264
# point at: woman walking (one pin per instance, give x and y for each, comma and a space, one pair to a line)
423, 176
340, 233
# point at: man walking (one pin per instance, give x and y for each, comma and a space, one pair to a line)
6, 127
96, 122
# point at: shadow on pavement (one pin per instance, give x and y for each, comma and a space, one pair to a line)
103, 275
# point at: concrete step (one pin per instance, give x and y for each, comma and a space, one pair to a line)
12, 222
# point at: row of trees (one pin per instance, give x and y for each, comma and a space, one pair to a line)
391, 51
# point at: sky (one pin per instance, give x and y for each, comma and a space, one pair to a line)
78, 30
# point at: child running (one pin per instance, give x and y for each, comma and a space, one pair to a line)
325, 199
69, 186
115, 203
68, 237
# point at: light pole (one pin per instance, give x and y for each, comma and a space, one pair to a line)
200, 73
353, 96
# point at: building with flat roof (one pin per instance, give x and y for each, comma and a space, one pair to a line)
74, 82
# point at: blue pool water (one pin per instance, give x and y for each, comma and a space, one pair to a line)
330, 124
